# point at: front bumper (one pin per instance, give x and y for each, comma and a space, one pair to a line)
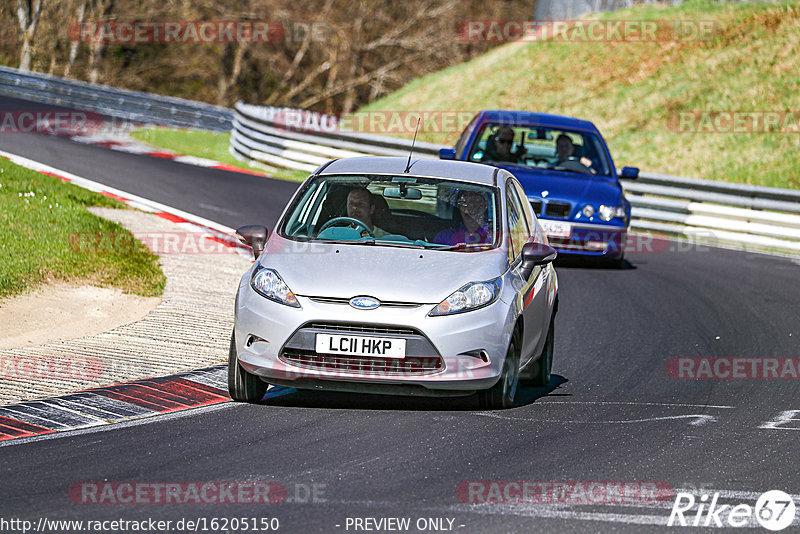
598, 240
446, 355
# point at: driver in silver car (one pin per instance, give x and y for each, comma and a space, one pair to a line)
360, 205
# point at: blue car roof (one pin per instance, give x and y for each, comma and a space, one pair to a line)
539, 119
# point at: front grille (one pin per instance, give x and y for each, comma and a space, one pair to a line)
362, 329
367, 365
536, 206
346, 301
557, 209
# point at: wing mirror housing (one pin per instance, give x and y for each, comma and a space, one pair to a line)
447, 153
534, 254
631, 173
254, 236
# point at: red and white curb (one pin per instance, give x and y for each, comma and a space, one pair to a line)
124, 144
122, 402
186, 221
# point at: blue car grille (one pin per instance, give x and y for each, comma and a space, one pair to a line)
559, 210
536, 206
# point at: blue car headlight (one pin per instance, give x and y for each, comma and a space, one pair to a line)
609, 212
469, 297
269, 284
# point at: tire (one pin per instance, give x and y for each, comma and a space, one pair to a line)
243, 386
543, 366
501, 395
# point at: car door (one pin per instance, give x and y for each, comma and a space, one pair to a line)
531, 288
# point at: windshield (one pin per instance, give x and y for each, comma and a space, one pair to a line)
406, 211
539, 147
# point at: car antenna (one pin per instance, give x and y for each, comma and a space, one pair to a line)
408, 165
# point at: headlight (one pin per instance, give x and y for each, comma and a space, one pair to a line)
470, 297
609, 212
268, 283
588, 211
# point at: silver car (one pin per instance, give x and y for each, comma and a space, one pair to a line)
385, 276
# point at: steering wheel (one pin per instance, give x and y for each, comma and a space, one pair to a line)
536, 159
348, 220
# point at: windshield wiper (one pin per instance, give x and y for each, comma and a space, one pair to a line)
369, 241
466, 246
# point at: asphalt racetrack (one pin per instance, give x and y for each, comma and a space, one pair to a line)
616, 410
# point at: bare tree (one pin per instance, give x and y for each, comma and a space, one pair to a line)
74, 46
98, 47
28, 12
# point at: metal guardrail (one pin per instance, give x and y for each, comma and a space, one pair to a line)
703, 210
744, 215
135, 106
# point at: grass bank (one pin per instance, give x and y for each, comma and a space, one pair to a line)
38, 216
635, 92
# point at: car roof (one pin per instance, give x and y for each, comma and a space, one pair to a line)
436, 168
530, 117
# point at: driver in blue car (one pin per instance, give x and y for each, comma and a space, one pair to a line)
360, 205
474, 221
565, 150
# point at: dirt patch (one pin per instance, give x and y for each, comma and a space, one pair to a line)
62, 311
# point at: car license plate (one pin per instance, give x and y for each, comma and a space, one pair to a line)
556, 228
382, 347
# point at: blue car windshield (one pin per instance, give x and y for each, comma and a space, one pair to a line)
540, 147
385, 210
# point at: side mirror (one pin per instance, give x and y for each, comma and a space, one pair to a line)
254, 236
534, 254
447, 153
631, 173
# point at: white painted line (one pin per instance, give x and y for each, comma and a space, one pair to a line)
699, 419
543, 402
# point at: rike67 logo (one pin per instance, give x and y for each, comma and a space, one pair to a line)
774, 510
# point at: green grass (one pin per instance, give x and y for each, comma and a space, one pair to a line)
209, 145
38, 216
632, 91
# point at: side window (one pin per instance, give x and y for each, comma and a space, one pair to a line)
526, 208
518, 229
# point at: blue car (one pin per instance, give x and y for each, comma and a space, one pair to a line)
566, 171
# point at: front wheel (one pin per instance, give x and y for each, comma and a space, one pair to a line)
243, 386
501, 395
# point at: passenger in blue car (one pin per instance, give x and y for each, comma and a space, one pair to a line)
498, 148
474, 222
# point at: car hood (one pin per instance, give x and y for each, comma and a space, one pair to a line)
386, 273
567, 186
